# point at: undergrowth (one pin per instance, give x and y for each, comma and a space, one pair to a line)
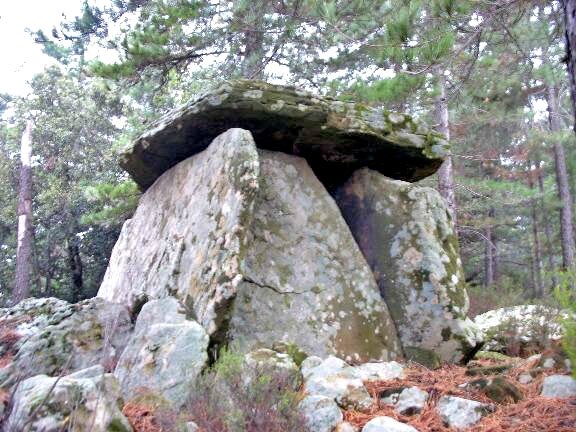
231, 397
566, 295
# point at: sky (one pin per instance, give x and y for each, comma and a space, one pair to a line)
20, 57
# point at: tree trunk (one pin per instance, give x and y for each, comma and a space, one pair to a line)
76, 268
547, 228
24, 247
570, 34
445, 173
252, 66
566, 228
537, 257
495, 259
489, 253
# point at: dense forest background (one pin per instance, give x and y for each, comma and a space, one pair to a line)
491, 74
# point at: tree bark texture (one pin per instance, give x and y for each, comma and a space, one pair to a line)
446, 171
252, 66
566, 224
76, 268
24, 246
570, 35
537, 263
547, 228
489, 253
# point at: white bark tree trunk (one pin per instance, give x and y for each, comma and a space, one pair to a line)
446, 171
24, 246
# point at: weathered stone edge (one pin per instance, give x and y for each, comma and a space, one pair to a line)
353, 118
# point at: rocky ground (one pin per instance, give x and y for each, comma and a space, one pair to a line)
493, 393
87, 367
509, 389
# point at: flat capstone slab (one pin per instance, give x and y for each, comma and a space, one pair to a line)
335, 137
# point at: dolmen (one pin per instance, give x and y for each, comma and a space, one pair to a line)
275, 215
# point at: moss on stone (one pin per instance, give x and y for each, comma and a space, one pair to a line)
423, 356
329, 133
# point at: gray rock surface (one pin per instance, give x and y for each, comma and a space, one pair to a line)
409, 241
257, 251
59, 336
165, 354
387, 424
265, 361
525, 378
336, 137
559, 386
346, 427
320, 413
191, 427
31, 315
305, 280
187, 234
382, 371
88, 400
315, 367
411, 401
337, 380
460, 413
530, 325
167, 310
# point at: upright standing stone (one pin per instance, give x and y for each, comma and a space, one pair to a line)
188, 233
256, 248
305, 279
410, 243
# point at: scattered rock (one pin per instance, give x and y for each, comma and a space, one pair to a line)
387, 424
559, 386
406, 234
335, 137
498, 389
87, 400
346, 427
382, 371
461, 413
61, 336
349, 393
533, 326
321, 413
525, 378
191, 427
314, 367
335, 379
411, 401
553, 358
163, 356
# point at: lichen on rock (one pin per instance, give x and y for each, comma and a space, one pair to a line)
335, 137
305, 280
187, 236
408, 239
58, 336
